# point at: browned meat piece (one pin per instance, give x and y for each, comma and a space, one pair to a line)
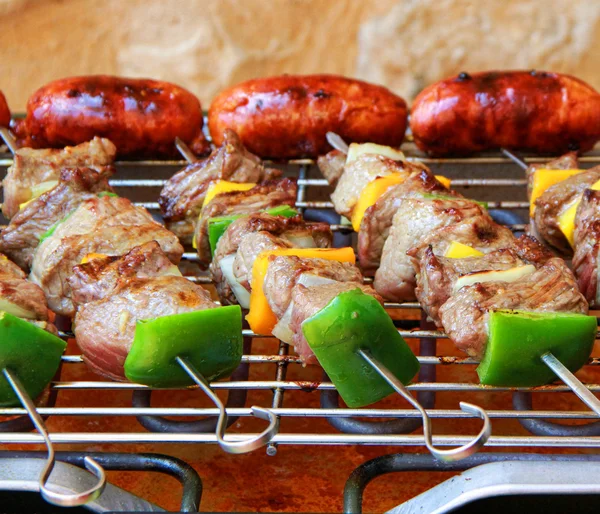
332, 166
377, 221
415, 219
263, 196
23, 233
32, 167
554, 201
285, 270
18, 296
357, 174
105, 328
564, 162
551, 288
437, 276
107, 225
587, 244
270, 231
182, 197
97, 278
310, 300
479, 232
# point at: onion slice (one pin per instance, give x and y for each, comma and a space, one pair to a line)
241, 293
15, 310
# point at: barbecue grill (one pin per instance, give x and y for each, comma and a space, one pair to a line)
275, 379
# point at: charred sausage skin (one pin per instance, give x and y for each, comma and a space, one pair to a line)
523, 110
142, 117
288, 116
4, 111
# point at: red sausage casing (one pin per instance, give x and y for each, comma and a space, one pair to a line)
288, 116
523, 110
4, 111
141, 117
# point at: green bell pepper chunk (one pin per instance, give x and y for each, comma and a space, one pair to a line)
51, 230
517, 340
351, 321
433, 196
107, 193
218, 226
210, 339
31, 353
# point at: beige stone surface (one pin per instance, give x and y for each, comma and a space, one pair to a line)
206, 45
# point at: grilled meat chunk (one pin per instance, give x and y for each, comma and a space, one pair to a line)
182, 197
332, 166
564, 162
107, 225
587, 244
414, 220
357, 174
32, 167
554, 201
246, 237
377, 221
551, 288
285, 270
310, 300
105, 328
263, 196
97, 278
20, 238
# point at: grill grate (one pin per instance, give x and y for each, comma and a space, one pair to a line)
141, 181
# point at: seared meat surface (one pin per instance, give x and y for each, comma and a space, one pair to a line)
264, 196
105, 328
554, 201
285, 271
587, 243
24, 299
414, 220
97, 278
551, 288
332, 166
377, 221
32, 167
564, 162
246, 237
310, 300
107, 225
22, 235
182, 196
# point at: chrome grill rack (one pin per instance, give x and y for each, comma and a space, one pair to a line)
282, 379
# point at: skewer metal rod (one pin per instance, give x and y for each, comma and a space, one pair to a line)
514, 158
584, 394
185, 151
9, 140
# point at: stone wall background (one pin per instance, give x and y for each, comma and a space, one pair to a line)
206, 45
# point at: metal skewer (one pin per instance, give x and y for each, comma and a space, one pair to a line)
9, 140
337, 142
185, 151
246, 445
517, 160
54, 497
453, 454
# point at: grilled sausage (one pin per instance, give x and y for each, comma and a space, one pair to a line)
4, 111
288, 116
523, 110
141, 117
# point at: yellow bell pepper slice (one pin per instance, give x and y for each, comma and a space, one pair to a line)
376, 188
39, 190
458, 250
543, 179
261, 318
566, 220
223, 186
92, 257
